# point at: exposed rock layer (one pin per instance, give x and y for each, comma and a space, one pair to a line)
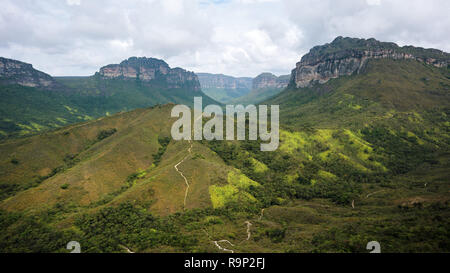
221, 81
16, 72
345, 56
150, 69
269, 80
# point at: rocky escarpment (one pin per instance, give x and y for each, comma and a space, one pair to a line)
269, 80
224, 88
16, 72
346, 56
221, 81
264, 86
150, 70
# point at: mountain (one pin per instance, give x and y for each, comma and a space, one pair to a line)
363, 79
399, 105
264, 86
227, 89
150, 70
269, 80
363, 156
32, 101
345, 56
16, 72
224, 88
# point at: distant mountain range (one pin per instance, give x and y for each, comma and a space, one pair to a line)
224, 88
228, 89
264, 86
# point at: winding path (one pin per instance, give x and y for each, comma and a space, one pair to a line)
126, 248
222, 248
248, 230
182, 175
367, 196
249, 234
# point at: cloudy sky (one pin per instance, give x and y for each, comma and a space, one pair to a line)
234, 37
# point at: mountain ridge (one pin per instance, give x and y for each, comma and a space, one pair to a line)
223, 87
21, 73
148, 69
345, 56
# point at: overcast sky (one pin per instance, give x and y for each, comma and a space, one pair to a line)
234, 37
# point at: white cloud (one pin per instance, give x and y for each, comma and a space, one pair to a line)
236, 37
373, 2
73, 2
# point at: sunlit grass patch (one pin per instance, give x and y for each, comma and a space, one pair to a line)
291, 141
326, 175
240, 180
258, 166
62, 120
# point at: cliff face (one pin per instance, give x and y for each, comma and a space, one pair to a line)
224, 88
345, 56
148, 70
269, 80
16, 72
221, 81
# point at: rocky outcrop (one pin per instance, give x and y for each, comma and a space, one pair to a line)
346, 56
220, 81
264, 86
16, 72
150, 70
269, 80
224, 88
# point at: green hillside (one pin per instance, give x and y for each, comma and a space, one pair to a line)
225, 95
256, 96
386, 89
28, 110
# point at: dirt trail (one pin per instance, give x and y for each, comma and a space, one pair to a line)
182, 175
367, 196
248, 229
249, 234
126, 248
262, 214
222, 248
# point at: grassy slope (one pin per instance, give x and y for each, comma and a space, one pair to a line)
95, 170
256, 96
26, 110
387, 90
225, 95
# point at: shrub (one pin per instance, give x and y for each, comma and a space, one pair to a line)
276, 235
14, 161
106, 133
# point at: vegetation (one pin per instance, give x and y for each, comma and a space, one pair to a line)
163, 141
361, 158
27, 110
